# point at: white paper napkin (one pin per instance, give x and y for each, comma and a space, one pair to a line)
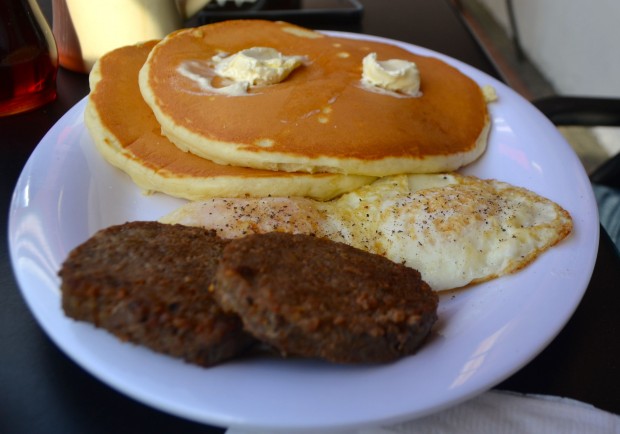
498, 412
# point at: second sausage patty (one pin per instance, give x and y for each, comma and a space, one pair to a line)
313, 297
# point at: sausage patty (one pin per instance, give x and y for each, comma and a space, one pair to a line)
147, 283
313, 297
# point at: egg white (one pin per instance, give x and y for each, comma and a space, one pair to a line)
455, 230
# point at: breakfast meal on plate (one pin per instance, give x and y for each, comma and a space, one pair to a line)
146, 283
272, 95
185, 292
311, 297
455, 230
127, 134
276, 134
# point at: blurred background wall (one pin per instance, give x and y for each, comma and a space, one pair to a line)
574, 43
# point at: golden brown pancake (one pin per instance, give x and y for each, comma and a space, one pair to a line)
320, 118
128, 135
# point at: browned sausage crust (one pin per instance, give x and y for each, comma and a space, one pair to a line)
313, 297
147, 283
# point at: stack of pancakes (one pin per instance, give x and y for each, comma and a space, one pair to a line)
318, 133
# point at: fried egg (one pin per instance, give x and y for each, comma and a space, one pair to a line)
455, 230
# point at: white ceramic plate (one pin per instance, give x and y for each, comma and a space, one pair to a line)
66, 192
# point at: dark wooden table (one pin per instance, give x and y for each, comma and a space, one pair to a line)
41, 390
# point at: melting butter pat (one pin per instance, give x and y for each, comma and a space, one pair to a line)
489, 93
257, 66
393, 75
